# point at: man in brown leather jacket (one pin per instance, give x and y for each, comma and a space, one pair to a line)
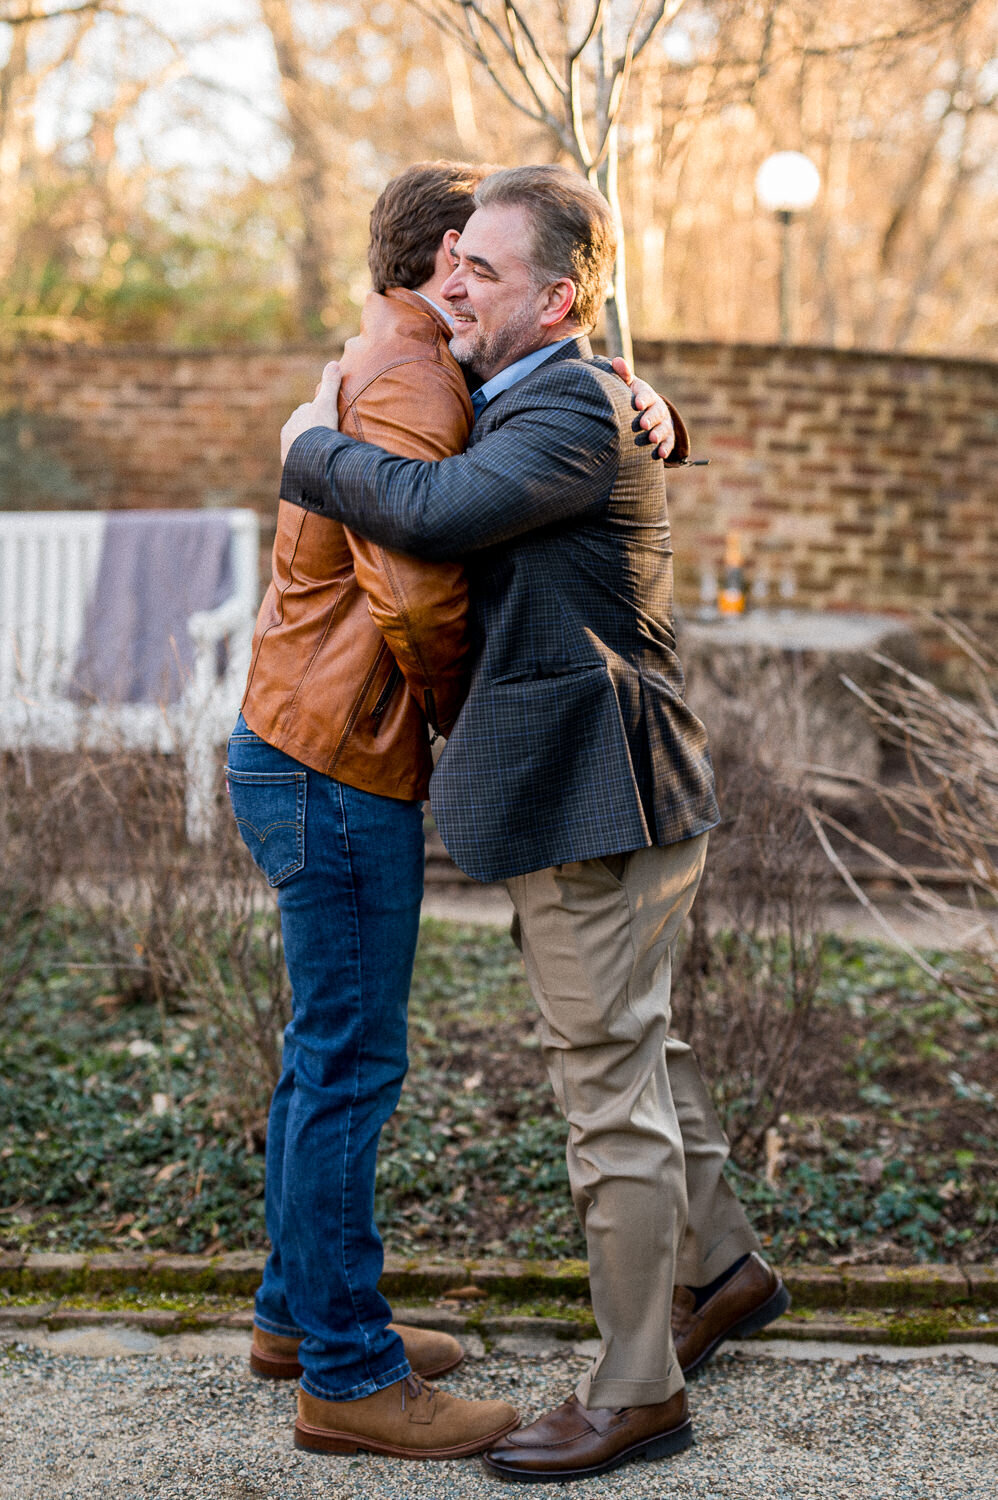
357, 648
357, 651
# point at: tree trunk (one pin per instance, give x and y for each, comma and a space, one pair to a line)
13, 138
618, 325
311, 175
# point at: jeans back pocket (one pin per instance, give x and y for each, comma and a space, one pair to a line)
269, 808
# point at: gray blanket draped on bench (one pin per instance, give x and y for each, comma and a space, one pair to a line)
157, 568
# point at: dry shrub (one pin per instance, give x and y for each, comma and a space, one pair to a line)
946, 805
32, 851
180, 926
789, 709
750, 965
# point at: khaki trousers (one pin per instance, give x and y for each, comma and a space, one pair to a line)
645, 1148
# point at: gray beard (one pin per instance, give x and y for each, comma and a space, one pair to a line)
488, 353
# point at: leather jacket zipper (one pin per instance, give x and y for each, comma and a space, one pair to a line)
394, 678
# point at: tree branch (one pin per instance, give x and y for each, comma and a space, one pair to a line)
26, 17
594, 26
453, 29
522, 65
582, 151
474, 19
664, 16
666, 11
537, 49
817, 821
475, 16
773, 61
900, 34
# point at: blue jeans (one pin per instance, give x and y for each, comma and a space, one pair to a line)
348, 868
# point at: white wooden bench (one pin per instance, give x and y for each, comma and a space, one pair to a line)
50, 563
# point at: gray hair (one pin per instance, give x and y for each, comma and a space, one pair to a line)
573, 232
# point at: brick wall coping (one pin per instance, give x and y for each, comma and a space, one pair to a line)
652, 349
52, 349
649, 350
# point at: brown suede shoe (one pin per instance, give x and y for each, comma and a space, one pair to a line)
751, 1298
405, 1420
573, 1442
431, 1354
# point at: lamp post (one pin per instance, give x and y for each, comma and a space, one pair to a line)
787, 183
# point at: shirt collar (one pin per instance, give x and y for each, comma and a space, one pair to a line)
448, 317
490, 389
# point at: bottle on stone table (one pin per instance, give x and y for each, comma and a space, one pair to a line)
731, 595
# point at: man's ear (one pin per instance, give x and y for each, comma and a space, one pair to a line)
445, 260
558, 302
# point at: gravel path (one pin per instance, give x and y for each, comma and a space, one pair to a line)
167, 1419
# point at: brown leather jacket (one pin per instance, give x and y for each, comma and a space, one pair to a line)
356, 647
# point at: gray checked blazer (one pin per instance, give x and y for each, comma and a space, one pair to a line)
575, 740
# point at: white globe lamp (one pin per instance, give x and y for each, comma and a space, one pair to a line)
786, 184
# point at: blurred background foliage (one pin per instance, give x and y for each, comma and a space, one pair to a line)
202, 172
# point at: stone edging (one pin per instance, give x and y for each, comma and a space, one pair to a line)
838, 1290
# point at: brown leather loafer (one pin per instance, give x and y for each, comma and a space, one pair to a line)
573, 1442
431, 1354
405, 1420
751, 1298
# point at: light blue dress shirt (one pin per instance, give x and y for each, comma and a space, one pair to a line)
514, 372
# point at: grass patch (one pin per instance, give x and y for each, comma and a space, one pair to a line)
118, 1127
189, 1304
935, 1326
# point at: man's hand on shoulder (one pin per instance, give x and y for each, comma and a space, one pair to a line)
319, 412
658, 423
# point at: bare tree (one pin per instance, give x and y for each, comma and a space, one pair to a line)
312, 166
360, 88
571, 77
21, 78
664, 102
894, 102
15, 85
669, 105
68, 212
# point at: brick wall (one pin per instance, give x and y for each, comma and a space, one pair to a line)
871, 480
155, 427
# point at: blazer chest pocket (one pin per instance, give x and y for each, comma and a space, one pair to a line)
541, 674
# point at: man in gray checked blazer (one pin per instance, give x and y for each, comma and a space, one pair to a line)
577, 774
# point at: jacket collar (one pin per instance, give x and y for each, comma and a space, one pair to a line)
418, 304
579, 348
